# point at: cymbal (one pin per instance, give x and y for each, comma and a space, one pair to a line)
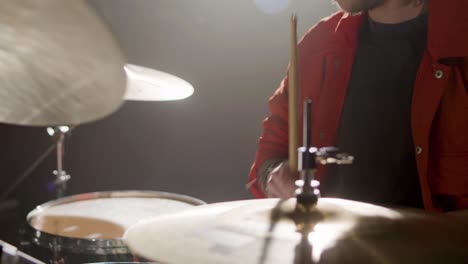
341, 232
59, 64
145, 84
461, 215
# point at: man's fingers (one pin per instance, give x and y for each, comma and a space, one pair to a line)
280, 189
274, 189
281, 183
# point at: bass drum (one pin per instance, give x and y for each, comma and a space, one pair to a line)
88, 228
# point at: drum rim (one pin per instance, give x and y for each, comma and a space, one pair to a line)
105, 246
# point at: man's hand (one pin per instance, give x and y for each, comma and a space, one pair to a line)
281, 182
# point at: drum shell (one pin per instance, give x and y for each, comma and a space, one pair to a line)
47, 246
42, 246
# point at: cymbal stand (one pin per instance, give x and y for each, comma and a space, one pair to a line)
307, 194
61, 176
11, 255
29, 170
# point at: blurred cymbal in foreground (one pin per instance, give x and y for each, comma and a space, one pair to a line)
145, 84
342, 232
59, 64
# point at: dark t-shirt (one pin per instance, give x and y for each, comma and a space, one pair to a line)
375, 124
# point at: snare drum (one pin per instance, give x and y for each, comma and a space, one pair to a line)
88, 227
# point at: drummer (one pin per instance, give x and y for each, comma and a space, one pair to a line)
389, 84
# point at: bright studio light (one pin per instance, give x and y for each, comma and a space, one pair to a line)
144, 84
272, 7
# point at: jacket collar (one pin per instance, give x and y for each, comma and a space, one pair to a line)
348, 27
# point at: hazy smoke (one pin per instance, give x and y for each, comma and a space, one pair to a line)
272, 7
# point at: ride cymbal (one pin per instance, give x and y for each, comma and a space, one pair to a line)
341, 231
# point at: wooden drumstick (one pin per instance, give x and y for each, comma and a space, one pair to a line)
293, 99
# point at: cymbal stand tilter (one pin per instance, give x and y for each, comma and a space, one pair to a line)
61, 176
307, 193
305, 215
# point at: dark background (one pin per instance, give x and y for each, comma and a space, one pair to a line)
231, 52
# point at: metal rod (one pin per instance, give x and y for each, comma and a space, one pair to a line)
61, 184
307, 130
14, 255
61, 176
60, 149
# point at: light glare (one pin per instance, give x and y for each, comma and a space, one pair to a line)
272, 7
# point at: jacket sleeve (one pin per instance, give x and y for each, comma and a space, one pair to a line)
273, 142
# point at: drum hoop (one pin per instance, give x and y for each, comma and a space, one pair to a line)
95, 246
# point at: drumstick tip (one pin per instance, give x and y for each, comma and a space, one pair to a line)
294, 17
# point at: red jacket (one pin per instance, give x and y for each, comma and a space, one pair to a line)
439, 104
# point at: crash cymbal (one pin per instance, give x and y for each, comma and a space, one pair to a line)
59, 64
461, 215
342, 232
145, 84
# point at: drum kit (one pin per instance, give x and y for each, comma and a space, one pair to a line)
64, 69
